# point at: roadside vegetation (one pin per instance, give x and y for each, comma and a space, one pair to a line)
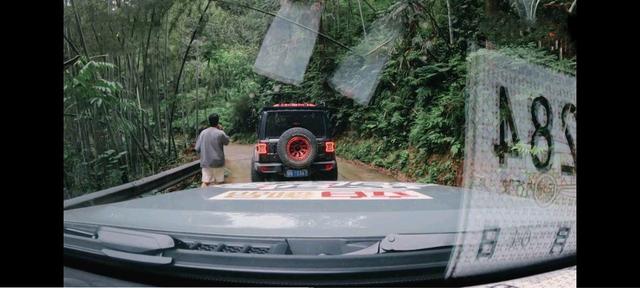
141, 76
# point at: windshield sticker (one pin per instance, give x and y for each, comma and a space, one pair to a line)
288, 45
520, 169
359, 73
336, 194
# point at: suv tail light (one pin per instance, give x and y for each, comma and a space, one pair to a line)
262, 148
329, 146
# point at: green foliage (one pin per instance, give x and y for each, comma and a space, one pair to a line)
245, 138
531, 54
523, 149
117, 110
95, 98
415, 125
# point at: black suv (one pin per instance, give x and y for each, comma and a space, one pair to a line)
294, 142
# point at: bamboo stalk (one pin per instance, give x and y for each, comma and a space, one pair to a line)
84, 45
450, 26
364, 31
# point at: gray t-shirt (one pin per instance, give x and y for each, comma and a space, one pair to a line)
210, 147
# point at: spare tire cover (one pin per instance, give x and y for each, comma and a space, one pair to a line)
297, 147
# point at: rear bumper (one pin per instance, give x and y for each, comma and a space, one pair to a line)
279, 168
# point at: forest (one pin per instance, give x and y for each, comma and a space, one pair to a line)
141, 76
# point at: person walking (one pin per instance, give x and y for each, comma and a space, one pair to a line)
210, 147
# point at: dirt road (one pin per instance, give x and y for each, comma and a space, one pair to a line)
238, 162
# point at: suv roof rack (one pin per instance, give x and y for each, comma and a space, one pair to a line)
293, 106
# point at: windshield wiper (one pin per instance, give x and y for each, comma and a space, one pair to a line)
135, 245
260, 260
80, 232
408, 242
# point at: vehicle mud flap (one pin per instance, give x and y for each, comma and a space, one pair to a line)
328, 175
255, 176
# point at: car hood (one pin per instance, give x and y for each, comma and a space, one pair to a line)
288, 209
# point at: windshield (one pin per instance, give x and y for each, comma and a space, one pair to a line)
452, 117
278, 122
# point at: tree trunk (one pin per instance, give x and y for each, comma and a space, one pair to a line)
75, 13
184, 60
364, 31
491, 7
73, 47
146, 54
450, 27
349, 15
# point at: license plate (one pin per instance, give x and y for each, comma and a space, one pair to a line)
297, 173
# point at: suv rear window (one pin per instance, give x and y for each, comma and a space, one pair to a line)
278, 122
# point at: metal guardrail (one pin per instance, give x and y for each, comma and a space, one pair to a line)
129, 190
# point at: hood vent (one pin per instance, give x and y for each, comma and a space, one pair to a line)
231, 248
